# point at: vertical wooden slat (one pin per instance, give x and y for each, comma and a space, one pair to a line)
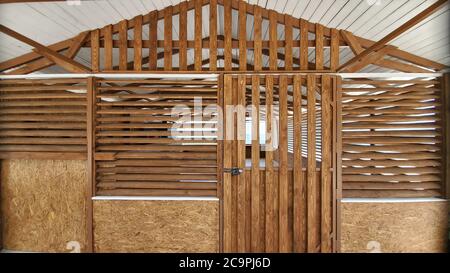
183, 37
319, 47
95, 50
242, 218
299, 198
326, 165
138, 43
213, 35
255, 191
234, 160
338, 174
334, 151
227, 163
445, 112
283, 176
273, 40
258, 38
108, 38
220, 157
168, 38
228, 54
90, 134
270, 189
242, 36
289, 41
303, 45
153, 41
311, 170
198, 35
334, 49
123, 45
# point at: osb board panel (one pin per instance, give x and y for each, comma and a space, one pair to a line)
43, 205
394, 227
156, 226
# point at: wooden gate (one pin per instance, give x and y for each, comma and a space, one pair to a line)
279, 156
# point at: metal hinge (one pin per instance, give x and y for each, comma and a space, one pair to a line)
234, 171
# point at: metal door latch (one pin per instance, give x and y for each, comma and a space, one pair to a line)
234, 171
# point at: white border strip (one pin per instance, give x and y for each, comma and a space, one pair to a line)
208, 76
392, 200
138, 198
109, 76
388, 75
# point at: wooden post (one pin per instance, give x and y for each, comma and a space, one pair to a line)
445, 89
90, 187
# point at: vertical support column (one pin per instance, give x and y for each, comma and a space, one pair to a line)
445, 100
311, 169
90, 134
338, 164
108, 39
227, 163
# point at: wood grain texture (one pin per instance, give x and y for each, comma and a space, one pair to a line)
156, 226
410, 227
43, 204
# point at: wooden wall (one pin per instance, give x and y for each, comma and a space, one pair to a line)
156, 226
393, 135
43, 205
394, 227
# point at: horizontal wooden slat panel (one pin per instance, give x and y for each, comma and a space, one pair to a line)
43, 118
391, 138
139, 152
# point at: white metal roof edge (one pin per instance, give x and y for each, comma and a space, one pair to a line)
208, 76
391, 200
162, 198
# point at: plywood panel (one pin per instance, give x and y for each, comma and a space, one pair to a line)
43, 206
394, 227
156, 226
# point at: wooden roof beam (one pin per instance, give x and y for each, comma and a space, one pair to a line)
62, 60
394, 34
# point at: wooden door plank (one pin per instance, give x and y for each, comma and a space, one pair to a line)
326, 185
227, 163
299, 198
255, 191
285, 241
168, 38
311, 169
242, 217
271, 232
